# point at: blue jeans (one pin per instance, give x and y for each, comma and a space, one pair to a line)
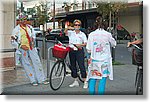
101, 86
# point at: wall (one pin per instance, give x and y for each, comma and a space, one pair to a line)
7, 23
7, 13
131, 23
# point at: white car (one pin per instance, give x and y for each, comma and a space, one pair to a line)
37, 32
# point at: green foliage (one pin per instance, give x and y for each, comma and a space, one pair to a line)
42, 15
105, 8
110, 10
117, 63
31, 11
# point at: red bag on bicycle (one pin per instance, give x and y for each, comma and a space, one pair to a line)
60, 51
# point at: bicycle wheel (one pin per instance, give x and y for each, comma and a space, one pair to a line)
57, 75
136, 77
78, 71
139, 85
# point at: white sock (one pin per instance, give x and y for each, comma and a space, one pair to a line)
75, 79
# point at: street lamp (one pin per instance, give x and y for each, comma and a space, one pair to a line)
53, 14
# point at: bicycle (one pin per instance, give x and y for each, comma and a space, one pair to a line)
58, 71
138, 60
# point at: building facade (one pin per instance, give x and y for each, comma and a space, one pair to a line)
8, 22
130, 18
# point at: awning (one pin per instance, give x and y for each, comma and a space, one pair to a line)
64, 15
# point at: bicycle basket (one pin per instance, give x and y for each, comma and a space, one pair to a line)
59, 51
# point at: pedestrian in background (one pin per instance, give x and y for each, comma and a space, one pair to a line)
23, 38
77, 40
98, 47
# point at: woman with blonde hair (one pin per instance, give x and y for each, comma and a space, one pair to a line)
77, 40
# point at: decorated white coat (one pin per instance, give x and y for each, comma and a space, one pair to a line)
17, 34
99, 44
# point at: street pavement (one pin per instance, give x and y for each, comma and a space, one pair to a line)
15, 82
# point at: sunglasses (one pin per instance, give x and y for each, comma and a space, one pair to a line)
23, 19
77, 25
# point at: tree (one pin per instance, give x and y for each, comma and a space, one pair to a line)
31, 11
67, 7
42, 14
110, 10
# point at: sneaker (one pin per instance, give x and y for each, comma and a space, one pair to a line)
45, 82
85, 86
34, 84
75, 83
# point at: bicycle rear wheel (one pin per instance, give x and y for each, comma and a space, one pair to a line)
57, 75
139, 83
79, 74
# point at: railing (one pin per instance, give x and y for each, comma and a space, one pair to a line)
76, 8
44, 47
7, 50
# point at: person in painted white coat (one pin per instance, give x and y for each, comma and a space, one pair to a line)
23, 38
100, 67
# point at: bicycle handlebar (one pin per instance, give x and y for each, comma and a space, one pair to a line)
59, 42
137, 47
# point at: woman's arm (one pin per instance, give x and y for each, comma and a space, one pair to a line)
80, 45
66, 30
139, 41
112, 40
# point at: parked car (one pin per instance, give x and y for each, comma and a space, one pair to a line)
37, 32
57, 33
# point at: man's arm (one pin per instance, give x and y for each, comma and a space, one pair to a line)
14, 38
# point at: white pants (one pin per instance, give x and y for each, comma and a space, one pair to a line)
18, 57
32, 65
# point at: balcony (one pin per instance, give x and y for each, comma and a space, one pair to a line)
75, 8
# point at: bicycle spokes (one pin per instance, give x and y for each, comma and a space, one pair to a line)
57, 75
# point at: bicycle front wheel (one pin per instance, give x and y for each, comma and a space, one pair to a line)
57, 75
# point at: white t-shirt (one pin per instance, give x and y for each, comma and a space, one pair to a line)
74, 38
